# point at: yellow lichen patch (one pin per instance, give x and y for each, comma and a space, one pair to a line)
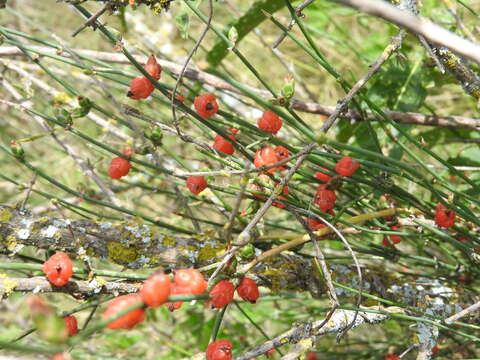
11, 242
207, 235
62, 98
169, 241
121, 254
369, 302
101, 281
476, 93
8, 286
451, 63
305, 344
5, 215
275, 276
209, 252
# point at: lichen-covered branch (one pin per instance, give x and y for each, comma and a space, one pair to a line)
135, 245
468, 78
77, 288
155, 5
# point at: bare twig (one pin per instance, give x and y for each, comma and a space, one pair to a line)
182, 72
463, 313
92, 20
29, 191
342, 104
432, 54
233, 214
298, 10
320, 258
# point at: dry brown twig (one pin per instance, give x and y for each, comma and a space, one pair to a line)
303, 106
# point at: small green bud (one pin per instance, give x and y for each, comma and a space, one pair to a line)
288, 88
79, 112
17, 150
84, 102
63, 116
155, 135
278, 189
233, 35
252, 208
247, 252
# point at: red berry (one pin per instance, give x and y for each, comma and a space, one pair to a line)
224, 146
176, 290
270, 352
462, 238
346, 166
219, 350
248, 290
392, 357
155, 290
386, 242
270, 122
311, 355
463, 280
325, 198
191, 280
435, 350
119, 167
128, 152
58, 268
62, 356
280, 197
196, 184
140, 88
444, 217
206, 105
128, 320
322, 176
265, 156
71, 324
395, 238
282, 153
314, 224
255, 187
153, 67
180, 97
233, 130
222, 294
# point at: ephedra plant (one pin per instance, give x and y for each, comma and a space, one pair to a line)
235, 180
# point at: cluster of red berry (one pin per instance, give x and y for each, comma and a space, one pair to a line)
444, 218
141, 87
154, 292
268, 156
325, 196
